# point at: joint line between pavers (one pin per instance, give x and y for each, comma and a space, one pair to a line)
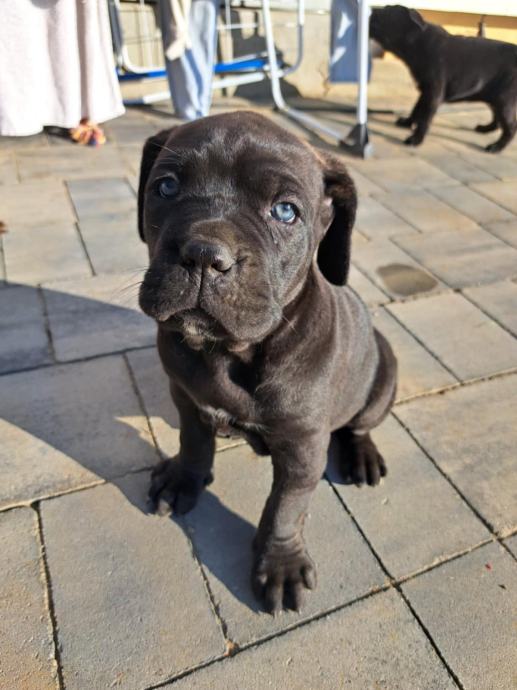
422, 343
49, 598
78, 229
446, 476
397, 215
368, 278
501, 239
426, 632
46, 322
490, 316
485, 196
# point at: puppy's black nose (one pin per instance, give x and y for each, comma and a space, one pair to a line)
198, 254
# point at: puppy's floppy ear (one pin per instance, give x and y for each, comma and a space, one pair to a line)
416, 19
152, 148
334, 248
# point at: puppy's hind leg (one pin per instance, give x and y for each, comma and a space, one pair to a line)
505, 114
490, 127
360, 461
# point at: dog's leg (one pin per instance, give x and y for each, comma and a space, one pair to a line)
423, 113
282, 568
407, 122
505, 114
490, 127
176, 483
359, 460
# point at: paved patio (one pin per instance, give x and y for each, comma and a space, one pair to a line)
417, 578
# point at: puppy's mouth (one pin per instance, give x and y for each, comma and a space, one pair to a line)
194, 323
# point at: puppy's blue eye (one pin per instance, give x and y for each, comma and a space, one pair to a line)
284, 212
168, 187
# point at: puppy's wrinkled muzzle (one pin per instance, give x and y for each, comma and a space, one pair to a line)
206, 256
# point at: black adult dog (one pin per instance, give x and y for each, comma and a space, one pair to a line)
248, 230
450, 68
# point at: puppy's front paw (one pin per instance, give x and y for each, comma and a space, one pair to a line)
414, 140
280, 577
404, 122
361, 462
495, 147
174, 488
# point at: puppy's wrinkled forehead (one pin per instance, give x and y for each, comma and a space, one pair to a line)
240, 151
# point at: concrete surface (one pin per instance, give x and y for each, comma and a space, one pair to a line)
416, 577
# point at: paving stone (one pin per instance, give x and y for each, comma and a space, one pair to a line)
112, 242
501, 166
414, 518
23, 337
68, 426
393, 270
471, 204
377, 222
8, 174
129, 598
98, 197
462, 258
129, 132
464, 339
425, 212
27, 649
471, 433
505, 231
233, 505
48, 252
467, 607
458, 168
69, 162
153, 387
418, 371
364, 186
29, 142
365, 288
132, 155
373, 644
35, 203
503, 193
404, 174
97, 315
499, 301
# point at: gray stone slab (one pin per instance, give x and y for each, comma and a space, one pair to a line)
425, 212
364, 186
402, 174
499, 301
233, 505
461, 336
369, 292
23, 336
393, 270
414, 518
377, 222
69, 426
153, 387
467, 607
462, 258
502, 166
33, 141
97, 197
471, 433
97, 315
373, 644
113, 243
471, 204
505, 231
503, 193
130, 601
47, 252
67, 162
26, 648
418, 371
35, 203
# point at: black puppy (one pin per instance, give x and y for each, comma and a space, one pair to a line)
248, 230
450, 68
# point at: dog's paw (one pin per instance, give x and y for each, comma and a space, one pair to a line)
281, 576
361, 462
174, 489
414, 139
404, 122
495, 147
484, 129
